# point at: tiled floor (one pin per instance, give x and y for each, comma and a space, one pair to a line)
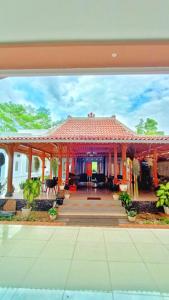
83, 263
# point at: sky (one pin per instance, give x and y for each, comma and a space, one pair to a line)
129, 97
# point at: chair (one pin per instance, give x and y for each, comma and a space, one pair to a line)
50, 185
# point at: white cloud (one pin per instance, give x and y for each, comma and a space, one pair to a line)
130, 97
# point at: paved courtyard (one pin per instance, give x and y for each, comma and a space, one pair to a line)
83, 263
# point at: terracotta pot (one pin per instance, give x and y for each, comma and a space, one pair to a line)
166, 210
67, 196
26, 212
52, 217
115, 197
131, 219
123, 187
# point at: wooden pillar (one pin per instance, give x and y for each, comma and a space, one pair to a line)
60, 166
109, 164
51, 173
43, 168
155, 169
30, 163
67, 167
10, 151
124, 149
73, 165
115, 164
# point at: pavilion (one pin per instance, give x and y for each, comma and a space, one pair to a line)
81, 140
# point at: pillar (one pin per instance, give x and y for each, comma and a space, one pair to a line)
67, 168
10, 151
51, 173
115, 164
30, 163
43, 168
73, 165
155, 169
109, 164
124, 149
60, 166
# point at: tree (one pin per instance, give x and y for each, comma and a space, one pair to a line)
16, 116
148, 127
140, 127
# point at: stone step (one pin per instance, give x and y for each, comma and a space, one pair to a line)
91, 220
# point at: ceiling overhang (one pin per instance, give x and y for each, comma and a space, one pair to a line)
63, 56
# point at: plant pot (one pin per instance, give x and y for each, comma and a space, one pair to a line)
115, 197
59, 201
123, 187
26, 212
67, 196
132, 219
166, 210
52, 217
61, 187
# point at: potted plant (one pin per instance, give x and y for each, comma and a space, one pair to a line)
62, 186
60, 197
21, 185
30, 192
132, 215
125, 199
163, 197
67, 195
115, 196
53, 212
123, 187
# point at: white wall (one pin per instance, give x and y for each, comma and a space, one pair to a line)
20, 169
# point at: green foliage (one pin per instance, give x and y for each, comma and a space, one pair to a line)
31, 191
148, 127
16, 116
54, 166
53, 211
163, 195
132, 213
36, 163
126, 199
21, 185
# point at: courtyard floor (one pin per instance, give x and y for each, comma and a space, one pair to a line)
38, 262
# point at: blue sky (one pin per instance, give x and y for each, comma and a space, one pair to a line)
129, 97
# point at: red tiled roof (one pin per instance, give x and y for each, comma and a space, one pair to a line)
92, 129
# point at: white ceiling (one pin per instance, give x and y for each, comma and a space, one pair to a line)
83, 20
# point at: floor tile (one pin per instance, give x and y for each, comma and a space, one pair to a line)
162, 235
143, 236
27, 248
90, 234
136, 296
131, 276
58, 249
89, 275
87, 295
160, 273
10, 292
13, 270
65, 234
35, 294
122, 252
117, 236
48, 273
90, 251
153, 253
34, 233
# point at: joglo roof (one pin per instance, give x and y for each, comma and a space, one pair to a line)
90, 129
